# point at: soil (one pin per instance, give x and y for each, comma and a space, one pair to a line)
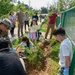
44, 69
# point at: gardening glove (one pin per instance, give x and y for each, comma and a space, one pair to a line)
66, 71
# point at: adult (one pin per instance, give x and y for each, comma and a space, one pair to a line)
35, 17
20, 19
65, 52
5, 25
10, 63
40, 16
51, 24
12, 19
26, 20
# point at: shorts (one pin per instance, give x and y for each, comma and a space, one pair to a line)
32, 35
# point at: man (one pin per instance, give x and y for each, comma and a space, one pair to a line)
35, 17
26, 20
20, 19
9, 61
5, 25
51, 24
65, 52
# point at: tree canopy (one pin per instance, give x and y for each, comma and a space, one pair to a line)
5, 6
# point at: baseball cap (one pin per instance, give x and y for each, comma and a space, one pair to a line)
7, 23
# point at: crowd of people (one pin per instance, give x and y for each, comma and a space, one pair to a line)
10, 63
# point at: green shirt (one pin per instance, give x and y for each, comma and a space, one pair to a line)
20, 17
3, 34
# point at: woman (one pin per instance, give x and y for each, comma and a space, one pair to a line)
12, 19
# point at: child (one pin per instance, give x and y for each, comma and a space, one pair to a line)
33, 30
65, 52
25, 43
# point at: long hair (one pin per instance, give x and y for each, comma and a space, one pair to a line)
33, 21
26, 40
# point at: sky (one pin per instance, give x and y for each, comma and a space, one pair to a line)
37, 4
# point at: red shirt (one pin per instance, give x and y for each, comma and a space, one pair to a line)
52, 18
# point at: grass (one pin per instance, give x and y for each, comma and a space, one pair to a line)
54, 57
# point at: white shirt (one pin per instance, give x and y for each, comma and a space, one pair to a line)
65, 50
34, 28
26, 17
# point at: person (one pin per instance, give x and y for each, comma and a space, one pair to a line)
40, 16
26, 42
51, 23
65, 52
33, 30
5, 25
26, 20
10, 63
12, 19
20, 19
35, 17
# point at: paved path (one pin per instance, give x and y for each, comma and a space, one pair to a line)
16, 31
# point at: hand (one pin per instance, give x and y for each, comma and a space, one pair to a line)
66, 71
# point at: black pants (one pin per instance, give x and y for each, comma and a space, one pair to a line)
26, 23
12, 31
60, 72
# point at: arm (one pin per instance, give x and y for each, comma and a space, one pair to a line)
67, 61
16, 17
67, 64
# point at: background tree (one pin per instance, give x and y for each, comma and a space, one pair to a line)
65, 4
5, 6
16, 7
72, 3
44, 10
